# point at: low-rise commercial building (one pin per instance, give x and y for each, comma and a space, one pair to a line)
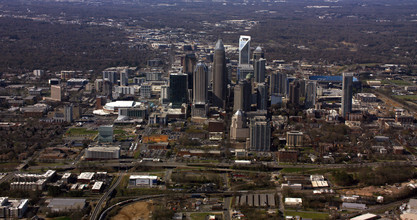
12, 209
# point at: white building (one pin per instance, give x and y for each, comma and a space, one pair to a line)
142, 180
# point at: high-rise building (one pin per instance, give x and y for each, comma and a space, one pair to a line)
110, 75
178, 89
244, 49
68, 113
311, 91
238, 128
274, 84
259, 72
260, 134
189, 62
219, 75
347, 88
242, 93
295, 93
200, 91
56, 92
262, 96
258, 53
124, 77
283, 84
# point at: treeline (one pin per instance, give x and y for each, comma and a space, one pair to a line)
28, 45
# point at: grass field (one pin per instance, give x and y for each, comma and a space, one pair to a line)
312, 215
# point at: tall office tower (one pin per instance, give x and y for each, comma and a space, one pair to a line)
260, 134
110, 76
262, 96
347, 94
188, 66
189, 62
244, 49
274, 83
242, 94
259, 68
295, 93
68, 113
219, 75
283, 84
200, 91
124, 77
56, 92
178, 89
311, 91
258, 53
238, 128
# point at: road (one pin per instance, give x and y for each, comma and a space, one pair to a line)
97, 209
129, 163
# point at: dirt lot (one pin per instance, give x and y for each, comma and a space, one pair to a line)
138, 210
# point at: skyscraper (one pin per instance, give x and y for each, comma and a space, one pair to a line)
178, 89
258, 53
242, 94
259, 68
347, 88
311, 91
189, 62
244, 49
274, 83
283, 84
262, 97
259, 65
219, 75
200, 85
260, 134
295, 93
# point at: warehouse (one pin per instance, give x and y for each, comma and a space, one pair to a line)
141, 180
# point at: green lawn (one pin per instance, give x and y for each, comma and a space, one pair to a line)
397, 82
80, 131
312, 215
407, 97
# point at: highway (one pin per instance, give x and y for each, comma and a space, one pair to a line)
98, 207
